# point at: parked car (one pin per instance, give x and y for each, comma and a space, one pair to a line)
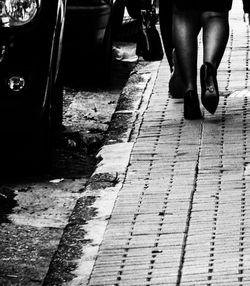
31, 33
87, 48
40, 42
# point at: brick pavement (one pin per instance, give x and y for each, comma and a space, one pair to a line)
182, 216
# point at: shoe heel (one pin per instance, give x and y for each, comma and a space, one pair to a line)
176, 88
191, 106
209, 88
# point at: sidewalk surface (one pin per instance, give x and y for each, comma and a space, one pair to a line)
182, 213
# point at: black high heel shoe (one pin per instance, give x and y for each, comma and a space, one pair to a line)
176, 87
209, 88
192, 105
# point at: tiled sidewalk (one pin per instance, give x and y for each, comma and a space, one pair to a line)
182, 216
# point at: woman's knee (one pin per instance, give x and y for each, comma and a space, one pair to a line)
207, 16
187, 22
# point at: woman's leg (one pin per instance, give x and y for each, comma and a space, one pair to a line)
215, 36
186, 27
165, 15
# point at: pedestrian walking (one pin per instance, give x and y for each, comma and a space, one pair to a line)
188, 18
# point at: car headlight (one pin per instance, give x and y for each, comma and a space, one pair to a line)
17, 12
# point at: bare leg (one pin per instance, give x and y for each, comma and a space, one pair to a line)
215, 36
186, 27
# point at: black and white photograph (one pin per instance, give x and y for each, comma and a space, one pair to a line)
124, 142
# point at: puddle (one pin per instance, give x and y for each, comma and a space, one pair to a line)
7, 203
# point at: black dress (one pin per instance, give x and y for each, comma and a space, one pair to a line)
204, 5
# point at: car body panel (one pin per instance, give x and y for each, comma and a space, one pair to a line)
31, 51
87, 39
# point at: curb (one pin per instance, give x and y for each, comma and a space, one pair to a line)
74, 259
